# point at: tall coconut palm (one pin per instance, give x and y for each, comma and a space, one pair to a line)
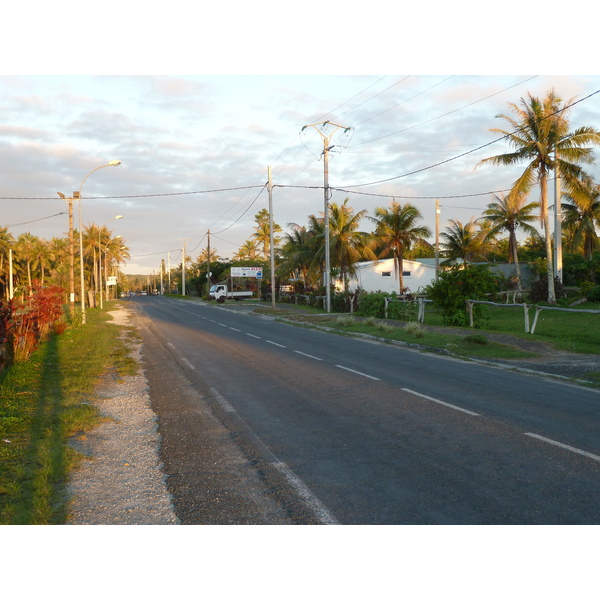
6, 242
42, 257
510, 213
396, 231
542, 140
25, 253
463, 241
262, 232
582, 216
297, 254
247, 251
348, 245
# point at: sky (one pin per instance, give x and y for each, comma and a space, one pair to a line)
195, 148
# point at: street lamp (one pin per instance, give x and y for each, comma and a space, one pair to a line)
112, 163
100, 255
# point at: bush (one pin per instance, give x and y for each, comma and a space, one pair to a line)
372, 304
459, 284
538, 292
594, 294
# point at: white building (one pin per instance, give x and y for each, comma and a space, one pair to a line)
380, 275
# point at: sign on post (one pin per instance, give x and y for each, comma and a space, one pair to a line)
247, 272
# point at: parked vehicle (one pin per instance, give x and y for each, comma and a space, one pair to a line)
220, 292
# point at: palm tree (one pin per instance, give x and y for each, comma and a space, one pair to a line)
543, 141
582, 215
247, 251
509, 213
42, 257
263, 232
348, 245
25, 251
6, 242
396, 231
297, 254
463, 241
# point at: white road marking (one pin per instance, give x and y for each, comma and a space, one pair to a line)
221, 401
188, 363
275, 344
309, 355
234, 329
474, 414
306, 495
254, 336
564, 446
358, 372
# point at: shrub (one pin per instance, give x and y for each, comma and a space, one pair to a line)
33, 319
415, 329
594, 294
371, 304
457, 285
538, 292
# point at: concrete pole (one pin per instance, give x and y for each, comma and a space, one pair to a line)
558, 266
272, 248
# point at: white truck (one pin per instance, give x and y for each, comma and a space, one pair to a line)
220, 291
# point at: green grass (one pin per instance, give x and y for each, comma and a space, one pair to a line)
572, 332
43, 403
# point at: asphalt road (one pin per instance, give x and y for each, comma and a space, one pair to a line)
264, 422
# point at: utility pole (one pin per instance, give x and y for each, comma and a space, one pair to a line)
169, 269
208, 267
437, 238
184, 240
558, 267
69, 201
327, 196
271, 241
161, 277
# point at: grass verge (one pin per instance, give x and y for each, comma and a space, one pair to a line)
43, 403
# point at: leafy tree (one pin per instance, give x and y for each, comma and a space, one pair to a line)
458, 284
542, 140
396, 230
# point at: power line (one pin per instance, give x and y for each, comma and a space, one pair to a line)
36, 220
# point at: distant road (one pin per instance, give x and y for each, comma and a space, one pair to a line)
323, 428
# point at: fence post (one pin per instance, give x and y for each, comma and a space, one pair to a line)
470, 312
526, 312
538, 309
386, 307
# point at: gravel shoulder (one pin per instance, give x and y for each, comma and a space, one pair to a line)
121, 481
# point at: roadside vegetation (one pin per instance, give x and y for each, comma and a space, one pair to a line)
44, 402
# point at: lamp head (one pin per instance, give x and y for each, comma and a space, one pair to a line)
114, 163
119, 217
